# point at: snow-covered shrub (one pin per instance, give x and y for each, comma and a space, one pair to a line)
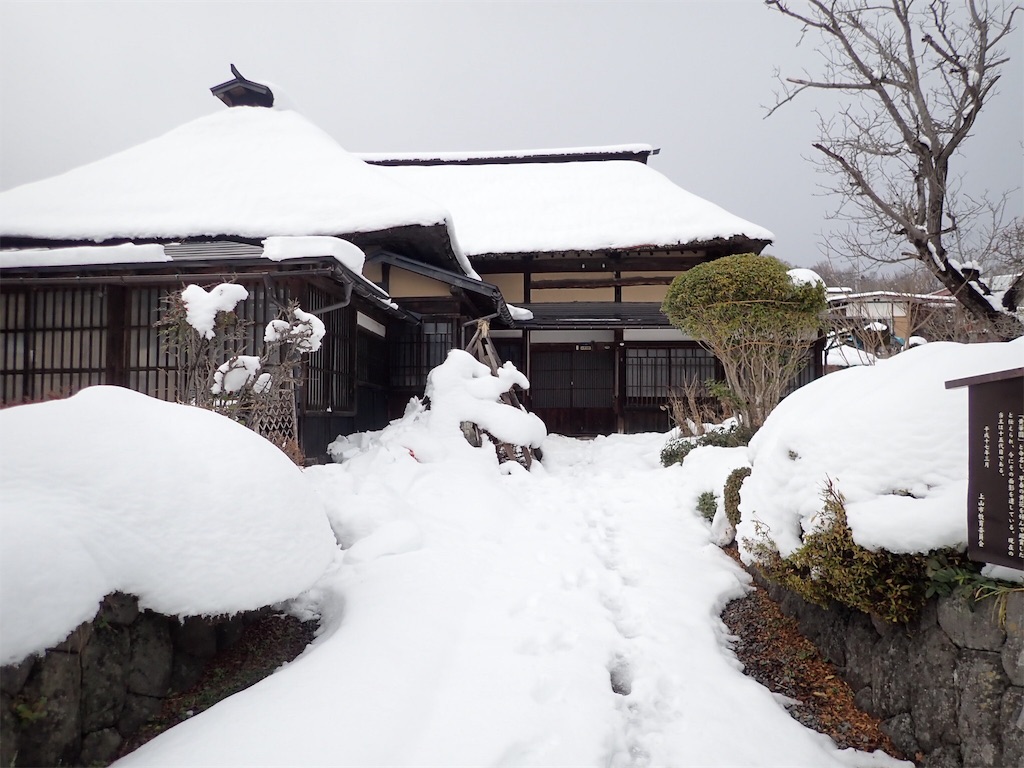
830, 566
458, 391
217, 371
111, 490
675, 450
707, 505
731, 494
731, 436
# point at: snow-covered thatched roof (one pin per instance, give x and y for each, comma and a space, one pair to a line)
524, 207
247, 172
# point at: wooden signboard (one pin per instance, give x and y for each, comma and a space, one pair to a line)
995, 484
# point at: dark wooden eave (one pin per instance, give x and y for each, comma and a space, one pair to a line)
485, 298
430, 244
640, 259
593, 315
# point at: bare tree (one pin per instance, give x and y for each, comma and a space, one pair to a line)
916, 75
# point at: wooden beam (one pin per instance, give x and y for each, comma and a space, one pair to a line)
602, 282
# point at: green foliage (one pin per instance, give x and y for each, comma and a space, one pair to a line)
731, 403
740, 295
757, 321
831, 566
733, 437
955, 576
30, 712
678, 448
732, 494
675, 450
707, 505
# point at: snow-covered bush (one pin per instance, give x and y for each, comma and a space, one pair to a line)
832, 473
729, 435
707, 505
460, 390
111, 490
676, 449
830, 566
217, 371
731, 494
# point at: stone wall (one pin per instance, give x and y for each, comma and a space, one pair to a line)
77, 703
949, 687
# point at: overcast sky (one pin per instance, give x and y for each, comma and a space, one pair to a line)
82, 80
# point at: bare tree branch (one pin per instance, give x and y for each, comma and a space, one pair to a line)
919, 73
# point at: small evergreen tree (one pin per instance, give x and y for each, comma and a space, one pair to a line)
748, 311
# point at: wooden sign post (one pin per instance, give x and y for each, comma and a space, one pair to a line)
995, 481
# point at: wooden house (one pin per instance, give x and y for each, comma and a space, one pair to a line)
587, 241
567, 252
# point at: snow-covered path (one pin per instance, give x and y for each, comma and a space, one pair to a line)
567, 616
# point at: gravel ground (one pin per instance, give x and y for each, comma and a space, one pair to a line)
776, 655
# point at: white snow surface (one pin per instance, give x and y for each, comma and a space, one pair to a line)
235, 374
202, 306
803, 276
476, 614
478, 617
111, 490
310, 329
845, 356
877, 433
463, 389
284, 248
126, 253
244, 171
528, 207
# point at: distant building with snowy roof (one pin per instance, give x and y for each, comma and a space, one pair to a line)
569, 252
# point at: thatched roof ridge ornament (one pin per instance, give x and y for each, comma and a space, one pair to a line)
241, 92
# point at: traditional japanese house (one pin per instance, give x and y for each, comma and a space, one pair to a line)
567, 253
87, 259
587, 240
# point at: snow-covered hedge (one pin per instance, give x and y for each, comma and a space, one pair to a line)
891, 438
111, 490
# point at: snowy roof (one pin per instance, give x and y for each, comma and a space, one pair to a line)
247, 172
349, 258
891, 296
565, 154
576, 206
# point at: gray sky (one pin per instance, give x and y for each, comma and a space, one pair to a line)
82, 80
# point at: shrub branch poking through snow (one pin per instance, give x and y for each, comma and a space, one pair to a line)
301, 329
200, 329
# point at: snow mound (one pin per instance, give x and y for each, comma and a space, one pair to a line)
891, 438
463, 389
111, 490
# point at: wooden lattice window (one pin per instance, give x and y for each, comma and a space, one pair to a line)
53, 342
418, 349
149, 368
652, 371
330, 371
